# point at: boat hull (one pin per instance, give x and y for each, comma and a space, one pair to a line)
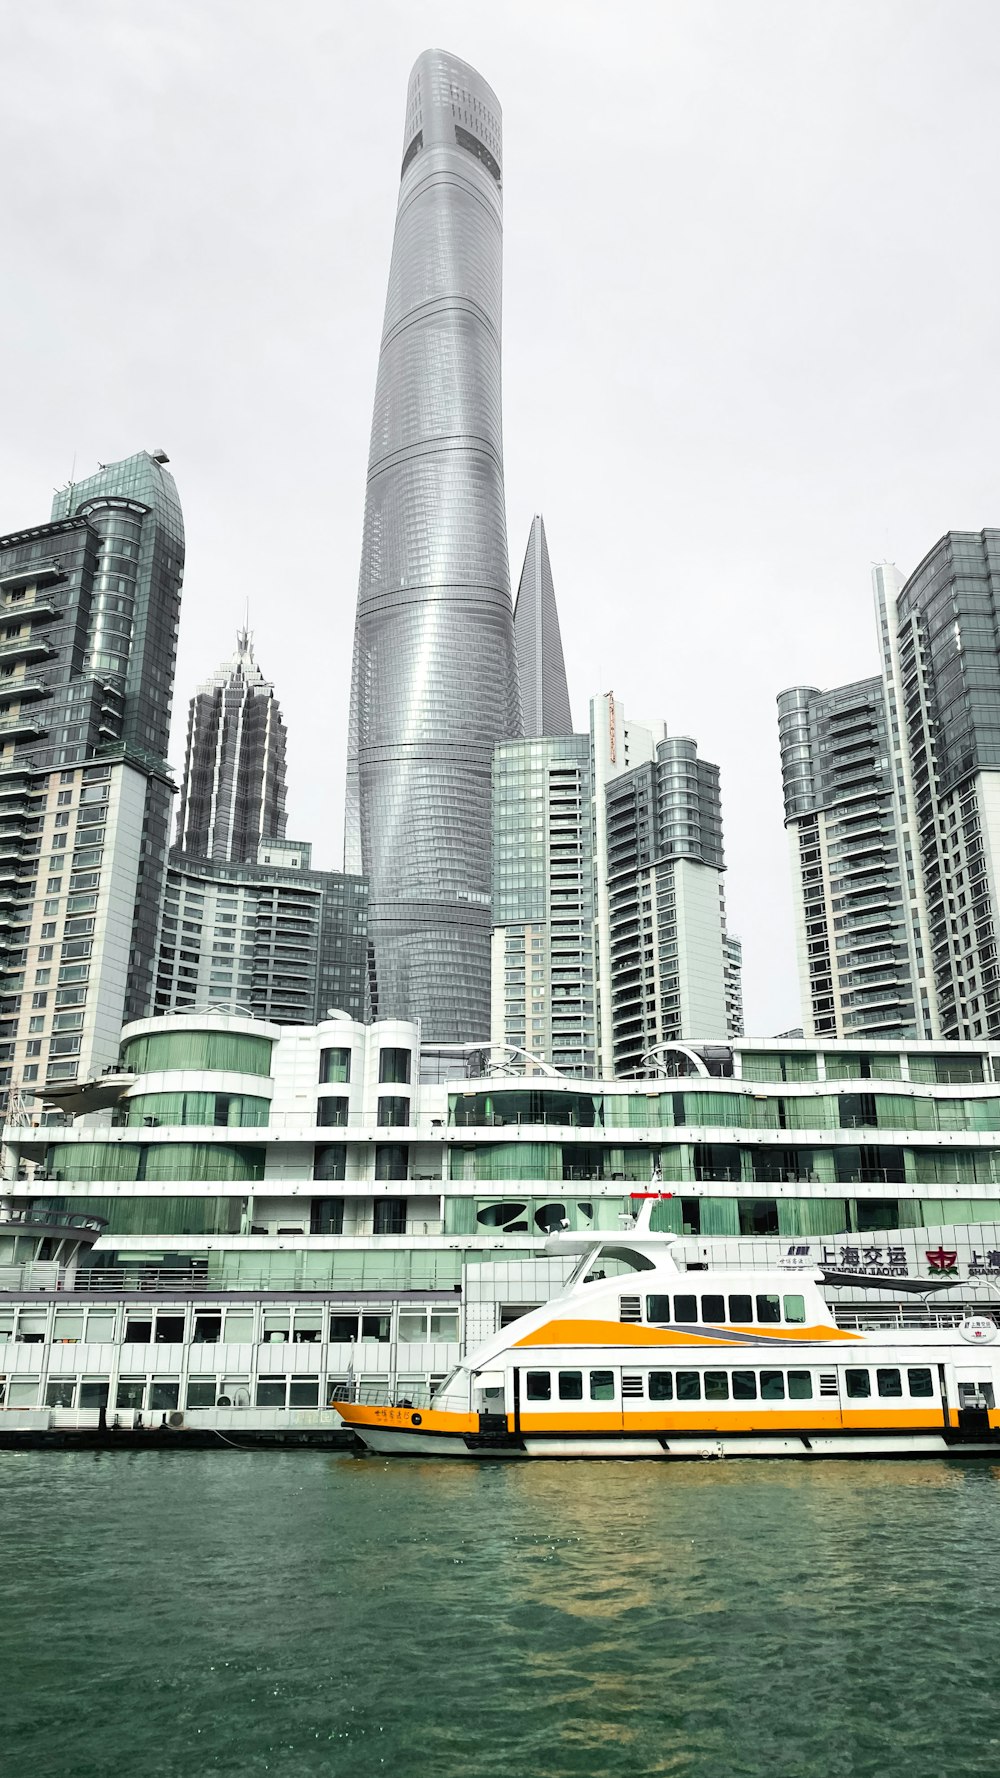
401, 1442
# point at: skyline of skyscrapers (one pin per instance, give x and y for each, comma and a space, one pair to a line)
434, 684
891, 782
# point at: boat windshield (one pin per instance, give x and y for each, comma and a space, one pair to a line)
611, 1262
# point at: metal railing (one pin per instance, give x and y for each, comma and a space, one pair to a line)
872, 1318
380, 1395
105, 1280
37, 1215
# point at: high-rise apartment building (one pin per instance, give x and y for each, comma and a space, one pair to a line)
665, 930
733, 968
544, 999
541, 670
941, 647
610, 934
233, 791
435, 672
852, 924
89, 608
906, 864
273, 938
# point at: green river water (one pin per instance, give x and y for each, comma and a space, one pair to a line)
170, 1615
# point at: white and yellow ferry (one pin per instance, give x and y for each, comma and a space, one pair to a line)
639, 1358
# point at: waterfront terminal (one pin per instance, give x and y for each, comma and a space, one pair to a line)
240, 1219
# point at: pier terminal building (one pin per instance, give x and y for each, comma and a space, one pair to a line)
244, 1215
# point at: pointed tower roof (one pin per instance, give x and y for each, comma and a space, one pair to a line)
544, 692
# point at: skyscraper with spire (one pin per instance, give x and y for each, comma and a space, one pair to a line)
540, 666
435, 671
246, 923
233, 794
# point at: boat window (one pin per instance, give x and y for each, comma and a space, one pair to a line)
741, 1308
744, 1386
602, 1385
772, 1386
685, 1308
623, 1259
768, 1308
570, 1385
716, 1386
713, 1308
539, 1386
890, 1383
795, 1310
921, 1382
657, 1308
271, 1392
688, 1386
800, 1386
661, 1386
858, 1384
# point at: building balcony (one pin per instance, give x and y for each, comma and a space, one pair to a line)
44, 572
26, 648
23, 727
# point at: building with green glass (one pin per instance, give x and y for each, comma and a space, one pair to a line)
350, 1213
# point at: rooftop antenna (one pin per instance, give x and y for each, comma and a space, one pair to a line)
244, 639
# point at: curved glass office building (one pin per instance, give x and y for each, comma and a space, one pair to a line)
435, 672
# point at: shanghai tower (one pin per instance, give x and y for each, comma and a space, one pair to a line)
435, 672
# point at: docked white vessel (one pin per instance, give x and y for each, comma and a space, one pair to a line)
641, 1358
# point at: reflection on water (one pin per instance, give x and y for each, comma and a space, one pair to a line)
177, 1614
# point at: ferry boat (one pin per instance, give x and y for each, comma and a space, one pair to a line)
639, 1357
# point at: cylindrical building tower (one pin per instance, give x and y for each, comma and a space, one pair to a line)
435, 672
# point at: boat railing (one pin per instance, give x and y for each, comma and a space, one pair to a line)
870, 1318
379, 1394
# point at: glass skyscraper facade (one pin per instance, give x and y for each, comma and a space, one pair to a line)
435, 673
543, 903
892, 801
89, 609
853, 939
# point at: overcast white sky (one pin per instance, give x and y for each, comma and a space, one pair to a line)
750, 333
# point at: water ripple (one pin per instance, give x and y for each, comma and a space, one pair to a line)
291, 1614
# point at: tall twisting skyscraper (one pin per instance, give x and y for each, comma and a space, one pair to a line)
542, 673
233, 795
435, 672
